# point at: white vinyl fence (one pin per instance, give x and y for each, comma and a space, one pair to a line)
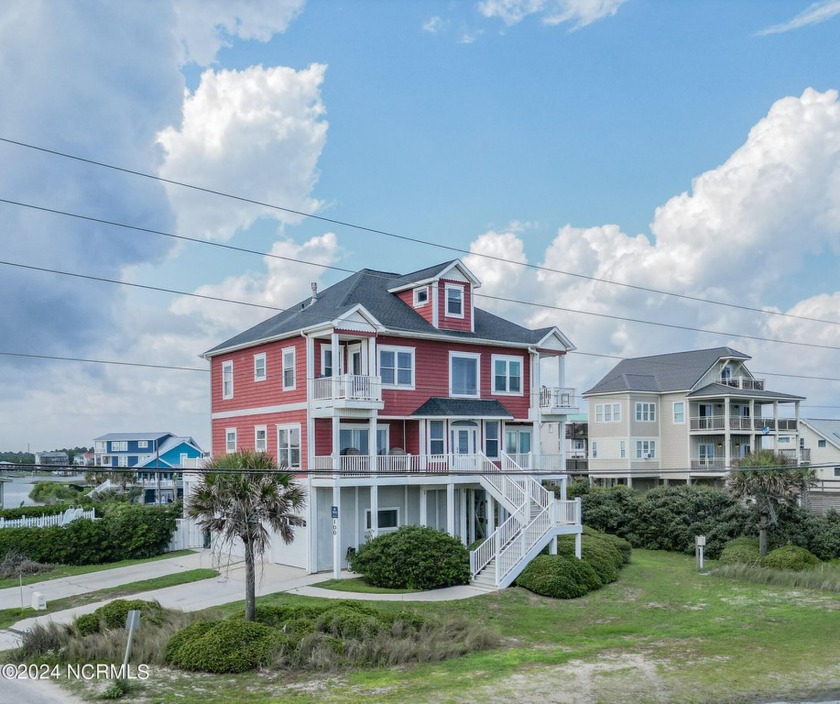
187, 535
60, 519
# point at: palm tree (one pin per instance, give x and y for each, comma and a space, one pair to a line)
768, 479
246, 505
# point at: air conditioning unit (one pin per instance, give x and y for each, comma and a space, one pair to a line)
646, 456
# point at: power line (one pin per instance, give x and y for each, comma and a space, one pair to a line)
104, 361
405, 238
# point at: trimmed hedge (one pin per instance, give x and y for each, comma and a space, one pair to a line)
113, 614
790, 557
413, 557
743, 550
604, 558
124, 532
559, 577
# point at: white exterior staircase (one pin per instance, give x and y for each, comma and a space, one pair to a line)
535, 518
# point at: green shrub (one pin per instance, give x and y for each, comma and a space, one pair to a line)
222, 646
623, 545
743, 550
413, 557
349, 623
790, 557
600, 554
113, 614
558, 577
87, 624
53, 493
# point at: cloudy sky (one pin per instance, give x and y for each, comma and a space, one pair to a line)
648, 176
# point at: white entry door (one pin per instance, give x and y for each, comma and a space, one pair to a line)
463, 437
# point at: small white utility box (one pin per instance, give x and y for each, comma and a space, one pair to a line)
39, 601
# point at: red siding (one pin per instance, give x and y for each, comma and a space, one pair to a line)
425, 311
445, 323
431, 376
245, 431
248, 393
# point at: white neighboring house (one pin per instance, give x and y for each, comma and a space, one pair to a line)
819, 441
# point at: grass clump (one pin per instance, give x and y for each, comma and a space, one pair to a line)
790, 557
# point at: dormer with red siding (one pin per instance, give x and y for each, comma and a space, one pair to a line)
442, 295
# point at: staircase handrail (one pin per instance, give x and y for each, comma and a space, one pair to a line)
512, 554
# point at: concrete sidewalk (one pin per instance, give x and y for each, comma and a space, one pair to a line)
227, 587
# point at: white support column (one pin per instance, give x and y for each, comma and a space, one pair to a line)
471, 516
450, 508
373, 450
796, 437
374, 510
336, 444
577, 546
552, 546
463, 517
491, 513
424, 521
335, 351
373, 362
727, 435
336, 531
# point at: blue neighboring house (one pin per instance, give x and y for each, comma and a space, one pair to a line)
155, 457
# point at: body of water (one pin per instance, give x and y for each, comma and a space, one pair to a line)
16, 492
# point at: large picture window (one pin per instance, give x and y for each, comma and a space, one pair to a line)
646, 412
464, 374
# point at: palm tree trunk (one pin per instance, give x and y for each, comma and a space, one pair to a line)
250, 583
762, 534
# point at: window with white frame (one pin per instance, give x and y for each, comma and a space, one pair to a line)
437, 437
288, 369
387, 519
607, 412
259, 367
396, 367
260, 438
517, 440
491, 438
622, 449
645, 449
594, 449
421, 296
784, 440
230, 440
645, 412
464, 378
227, 379
119, 446
679, 411
837, 471
288, 446
820, 443
507, 375
454, 301
142, 444
356, 437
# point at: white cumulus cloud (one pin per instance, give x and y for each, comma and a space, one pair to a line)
258, 132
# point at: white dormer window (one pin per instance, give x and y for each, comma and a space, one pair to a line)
454, 301
421, 296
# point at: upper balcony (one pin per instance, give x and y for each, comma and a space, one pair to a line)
745, 383
744, 424
558, 401
346, 391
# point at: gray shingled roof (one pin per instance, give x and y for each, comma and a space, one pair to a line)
828, 428
370, 289
130, 436
678, 371
717, 390
462, 407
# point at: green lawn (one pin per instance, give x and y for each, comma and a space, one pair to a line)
662, 633
9, 617
359, 586
74, 570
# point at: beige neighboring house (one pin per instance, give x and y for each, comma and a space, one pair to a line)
819, 440
684, 418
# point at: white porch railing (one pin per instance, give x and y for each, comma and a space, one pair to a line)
742, 382
557, 397
708, 464
402, 463
347, 387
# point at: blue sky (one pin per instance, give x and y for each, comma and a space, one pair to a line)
689, 147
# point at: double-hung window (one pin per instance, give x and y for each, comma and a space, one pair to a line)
491, 438
454, 301
645, 449
230, 440
288, 446
507, 375
396, 367
288, 369
464, 377
608, 413
645, 412
679, 412
259, 367
260, 438
227, 379
436, 437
